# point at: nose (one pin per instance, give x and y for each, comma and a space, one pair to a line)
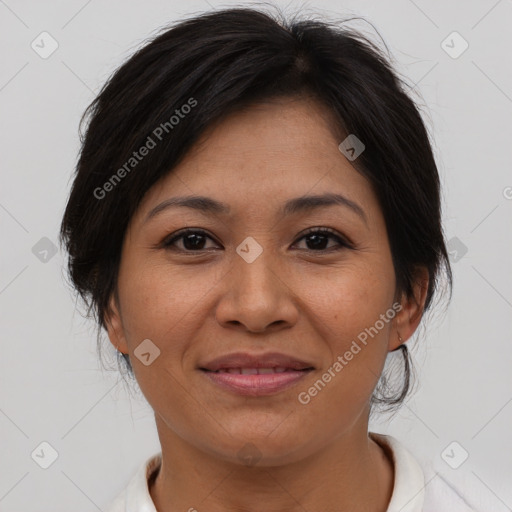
258, 296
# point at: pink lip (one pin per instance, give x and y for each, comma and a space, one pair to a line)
247, 360
256, 384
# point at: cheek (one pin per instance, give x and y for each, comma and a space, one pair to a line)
158, 303
352, 313
347, 300
162, 303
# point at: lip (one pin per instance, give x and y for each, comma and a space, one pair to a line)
247, 360
256, 384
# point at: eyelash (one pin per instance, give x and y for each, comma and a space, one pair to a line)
344, 244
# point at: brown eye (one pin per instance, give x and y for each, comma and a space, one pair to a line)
317, 240
193, 240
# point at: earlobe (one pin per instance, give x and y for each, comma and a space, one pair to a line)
114, 327
409, 317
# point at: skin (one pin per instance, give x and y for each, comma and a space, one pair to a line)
310, 304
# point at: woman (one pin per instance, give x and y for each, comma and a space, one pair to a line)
255, 221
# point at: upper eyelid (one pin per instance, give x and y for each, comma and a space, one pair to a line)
182, 232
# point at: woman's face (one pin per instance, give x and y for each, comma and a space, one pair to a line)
254, 281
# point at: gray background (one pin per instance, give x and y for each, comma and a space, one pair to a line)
52, 386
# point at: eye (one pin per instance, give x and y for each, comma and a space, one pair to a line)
316, 239
193, 240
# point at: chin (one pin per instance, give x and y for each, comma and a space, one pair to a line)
264, 449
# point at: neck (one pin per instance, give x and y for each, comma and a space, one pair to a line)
352, 473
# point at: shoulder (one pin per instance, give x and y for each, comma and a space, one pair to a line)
418, 486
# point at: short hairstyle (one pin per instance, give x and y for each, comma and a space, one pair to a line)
217, 63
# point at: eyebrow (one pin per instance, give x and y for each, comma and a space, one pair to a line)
207, 205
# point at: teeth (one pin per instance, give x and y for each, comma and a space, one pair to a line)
253, 371
249, 371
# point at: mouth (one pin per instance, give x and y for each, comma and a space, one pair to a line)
257, 371
256, 381
252, 375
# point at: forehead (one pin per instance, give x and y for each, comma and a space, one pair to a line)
290, 126
261, 155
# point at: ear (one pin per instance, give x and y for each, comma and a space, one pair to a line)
408, 318
114, 326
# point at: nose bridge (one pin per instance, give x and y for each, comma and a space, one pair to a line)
255, 270
256, 296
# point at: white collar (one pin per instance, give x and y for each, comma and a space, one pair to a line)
138, 498
409, 487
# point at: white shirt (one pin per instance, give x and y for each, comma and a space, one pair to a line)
415, 489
